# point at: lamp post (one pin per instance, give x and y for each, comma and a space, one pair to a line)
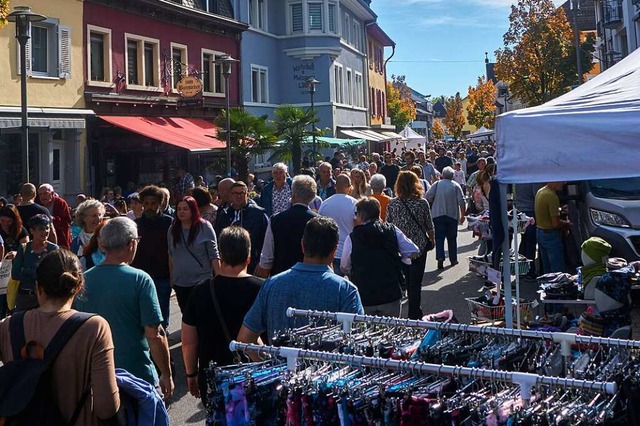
311, 83
23, 17
226, 61
575, 7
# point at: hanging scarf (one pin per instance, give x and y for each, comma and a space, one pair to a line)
592, 271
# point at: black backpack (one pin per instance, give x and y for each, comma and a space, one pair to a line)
26, 392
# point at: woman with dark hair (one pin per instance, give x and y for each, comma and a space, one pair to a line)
208, 210
193, 250
86, 361
27, 260
411, 213
11, 230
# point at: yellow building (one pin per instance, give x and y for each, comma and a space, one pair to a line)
377, 40
57, 139
468, 127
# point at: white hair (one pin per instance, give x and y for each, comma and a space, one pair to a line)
304, 189
46, 186
86, 205
448, 172
280, 166
378, 182
117, 233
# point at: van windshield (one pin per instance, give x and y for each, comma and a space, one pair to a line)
624, 188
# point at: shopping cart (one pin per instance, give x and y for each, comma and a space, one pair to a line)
482, 312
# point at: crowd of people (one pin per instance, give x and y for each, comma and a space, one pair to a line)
350, 236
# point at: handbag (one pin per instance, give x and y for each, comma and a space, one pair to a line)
429, 245
13, 286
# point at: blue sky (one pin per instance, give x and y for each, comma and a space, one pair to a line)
440, 44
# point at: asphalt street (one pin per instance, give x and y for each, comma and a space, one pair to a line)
444, 289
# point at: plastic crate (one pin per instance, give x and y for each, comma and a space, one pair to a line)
480, 267
483, 312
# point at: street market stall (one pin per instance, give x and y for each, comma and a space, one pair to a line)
578, 136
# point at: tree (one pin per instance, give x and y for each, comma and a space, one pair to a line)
293, 126
4, 11
400, 105
454, 120
538, 58
250, 135
482, 104
437, 131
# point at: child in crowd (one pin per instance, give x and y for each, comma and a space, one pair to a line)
459, 176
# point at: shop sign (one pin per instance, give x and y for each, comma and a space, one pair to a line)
190, 86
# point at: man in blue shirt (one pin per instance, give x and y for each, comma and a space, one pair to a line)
310, 284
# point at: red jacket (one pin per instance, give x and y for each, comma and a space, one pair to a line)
61, 213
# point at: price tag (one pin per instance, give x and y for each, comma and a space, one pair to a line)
494, 276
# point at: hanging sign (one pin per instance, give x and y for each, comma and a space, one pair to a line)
190, 86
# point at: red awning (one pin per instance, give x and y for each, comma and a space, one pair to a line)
194, 134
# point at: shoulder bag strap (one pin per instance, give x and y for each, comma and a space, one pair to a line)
16, 331
187, 247
413, 217
216, 306
62, 336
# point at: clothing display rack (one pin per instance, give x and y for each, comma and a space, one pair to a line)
525, 381
566, 340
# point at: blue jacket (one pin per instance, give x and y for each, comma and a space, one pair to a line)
266, 196
141, 401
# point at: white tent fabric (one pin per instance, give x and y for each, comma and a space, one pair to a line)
592, 132
481, 133
415, 141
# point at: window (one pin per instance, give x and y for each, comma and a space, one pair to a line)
179, 63
372, 102
296, 18
212, 78
349, 97
332, 18
338, 84
259, 84
358, 91
48, 50
99, 55
356, 36
258, 14
315, 17
346, 25
143, 61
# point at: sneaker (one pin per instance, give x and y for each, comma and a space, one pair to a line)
440, 264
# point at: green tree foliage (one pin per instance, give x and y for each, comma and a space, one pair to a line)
4, 11
454, 120
294, 126
250, 135
538, 58
400, 105
482, 100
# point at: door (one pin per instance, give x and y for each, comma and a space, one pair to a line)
57, 167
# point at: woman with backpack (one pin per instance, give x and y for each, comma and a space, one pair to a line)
83, 381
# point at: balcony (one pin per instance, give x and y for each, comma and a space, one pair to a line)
612, 13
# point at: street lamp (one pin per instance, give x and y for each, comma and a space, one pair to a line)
311, 83
503, 91
226, 61
23, 17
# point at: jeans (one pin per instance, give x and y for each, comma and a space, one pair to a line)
551, 250
414, 274
528, 245
446, 227
163, 289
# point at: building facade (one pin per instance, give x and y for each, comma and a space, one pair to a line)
377, 40
618, 27
153, 80
289, 41
57, 134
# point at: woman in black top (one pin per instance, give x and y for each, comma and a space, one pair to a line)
11, 230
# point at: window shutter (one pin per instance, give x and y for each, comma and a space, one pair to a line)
64, 52
296, 18
28, 55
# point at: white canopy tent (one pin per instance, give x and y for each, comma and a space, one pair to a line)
482, 133
414, 139
591, 132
